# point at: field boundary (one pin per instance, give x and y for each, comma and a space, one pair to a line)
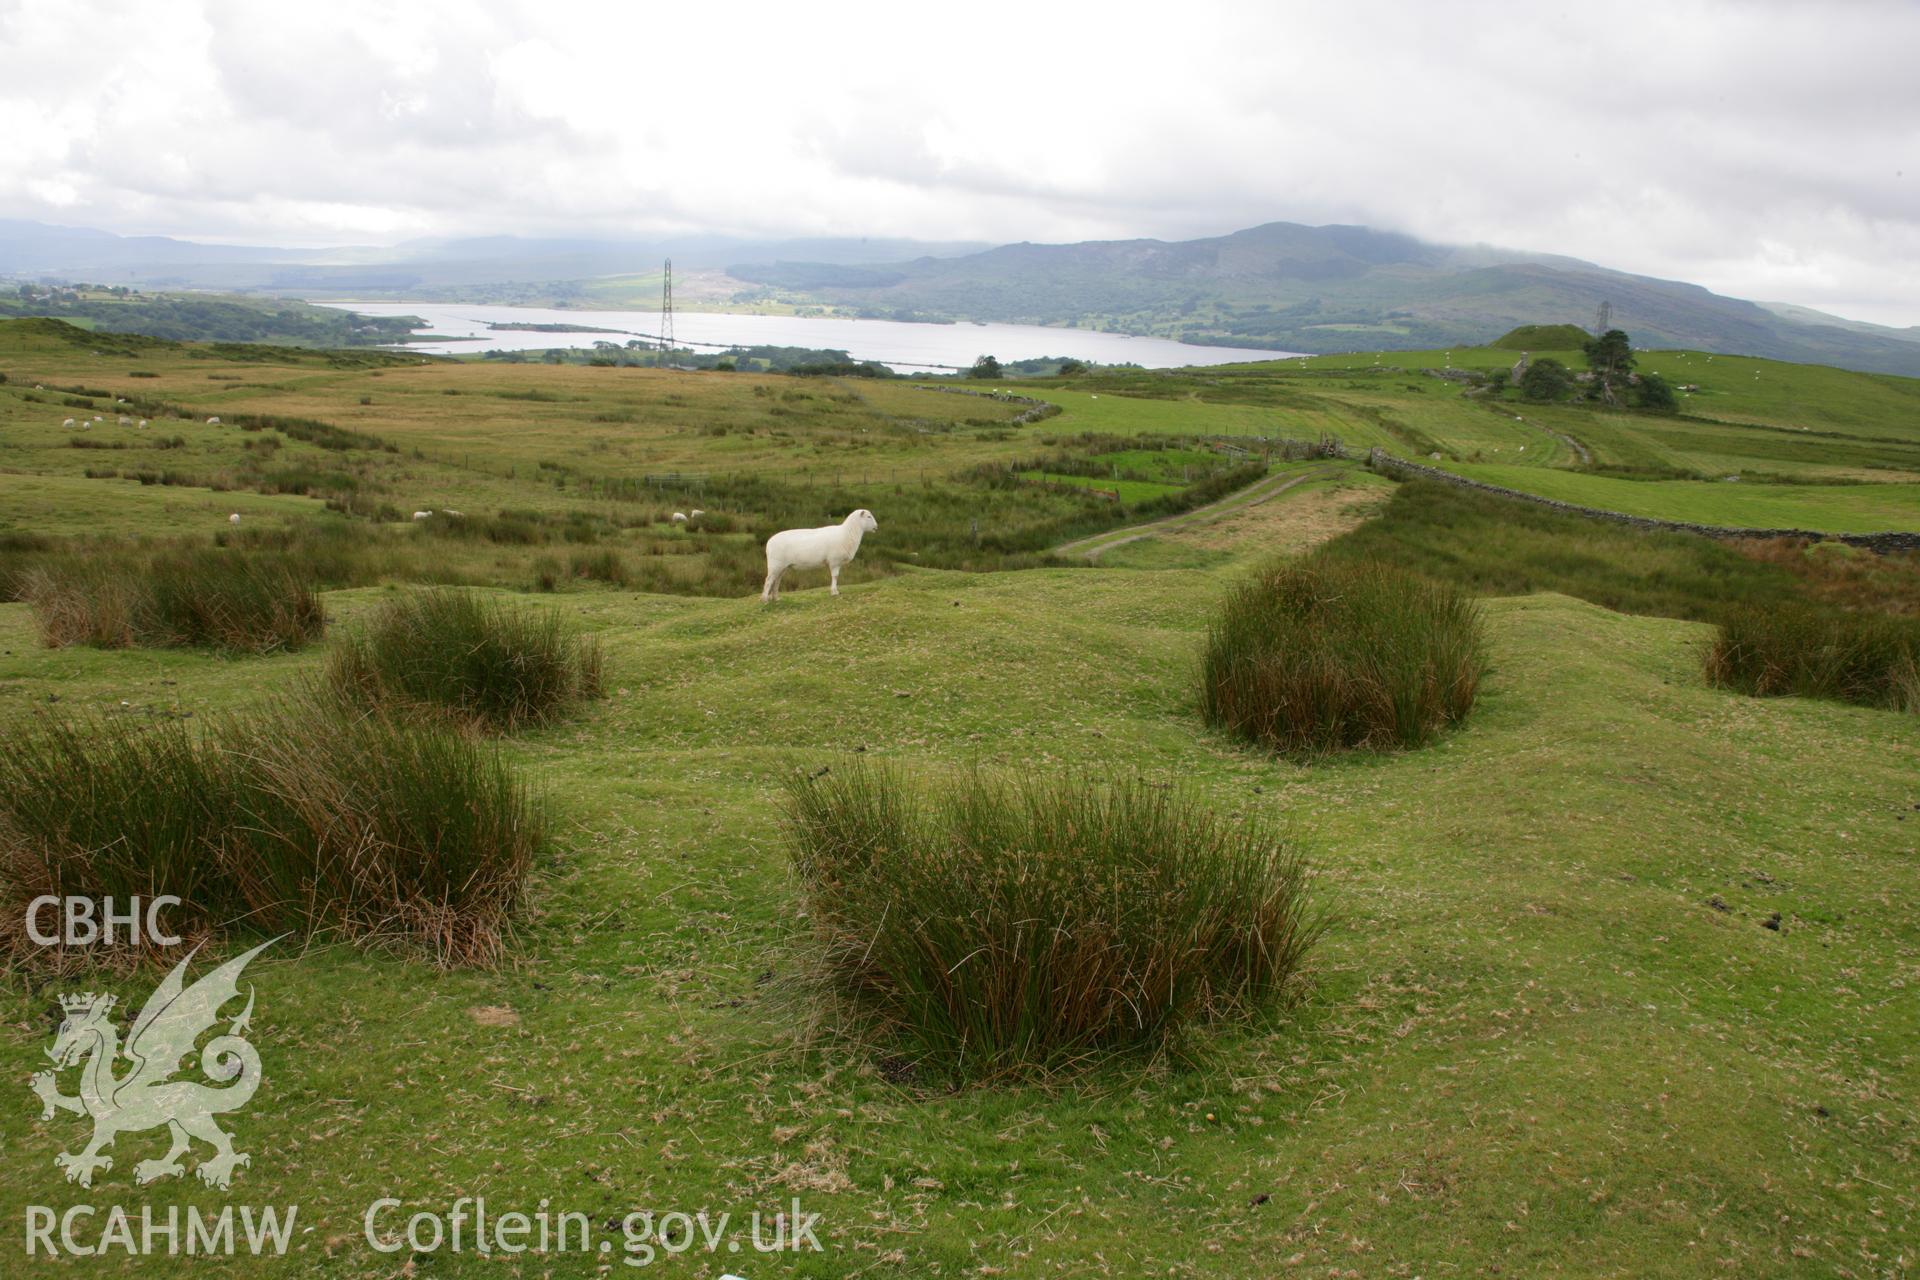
1386, 464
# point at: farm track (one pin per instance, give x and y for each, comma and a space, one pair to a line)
1252, 496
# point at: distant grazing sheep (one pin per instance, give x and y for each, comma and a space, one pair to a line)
679, 517
449, 511
421, 515
68, 424
695, 514
234, 518
143, 424
125, 421
213, 422
831, 546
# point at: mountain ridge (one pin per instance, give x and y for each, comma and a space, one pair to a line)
1279, 285
1328, 289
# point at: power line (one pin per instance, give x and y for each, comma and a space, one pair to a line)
666, 313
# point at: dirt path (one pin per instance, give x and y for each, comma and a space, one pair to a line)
1251, 496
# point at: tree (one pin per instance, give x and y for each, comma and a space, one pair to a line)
1546, 379
1070, 367
1656, 393
985, 367
1610, 354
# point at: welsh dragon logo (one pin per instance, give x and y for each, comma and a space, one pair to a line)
147, 1097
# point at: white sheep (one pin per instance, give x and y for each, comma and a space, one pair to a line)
421, 515
449, 511
213, 422
68, 424
679, 517
234, 518
125, 421
695, 514
143, 424
830, 546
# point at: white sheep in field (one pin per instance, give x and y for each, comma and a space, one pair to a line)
213, 422
830, 547
449, 511
234, 518
421, 515
679, 517
68, 424
695, 514
143, 424
125, 421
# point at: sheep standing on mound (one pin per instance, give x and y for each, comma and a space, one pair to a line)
830, 546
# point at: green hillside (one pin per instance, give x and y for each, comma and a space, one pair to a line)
1617, 977
1542, 337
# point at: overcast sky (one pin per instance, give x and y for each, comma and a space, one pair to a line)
1769, 151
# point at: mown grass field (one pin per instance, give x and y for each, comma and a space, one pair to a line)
1550, 1031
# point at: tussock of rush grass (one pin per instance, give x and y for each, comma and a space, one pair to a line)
1002, 926
1315, 655
498, 666
209, 599
302, 818
1813, 652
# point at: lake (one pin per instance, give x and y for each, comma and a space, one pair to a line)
451, 328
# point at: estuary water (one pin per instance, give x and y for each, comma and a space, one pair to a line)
455, 329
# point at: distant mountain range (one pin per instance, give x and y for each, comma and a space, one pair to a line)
1329, 289
34, 250
1279, 286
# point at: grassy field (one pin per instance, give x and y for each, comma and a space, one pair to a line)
1553, 1029
1861, 508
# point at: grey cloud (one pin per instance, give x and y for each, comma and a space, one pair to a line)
1751, 147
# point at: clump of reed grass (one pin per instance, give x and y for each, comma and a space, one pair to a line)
1312, 656
1813, 652
496, 666
303, 818
995, 927
203, 598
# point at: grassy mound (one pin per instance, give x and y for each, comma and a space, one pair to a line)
1312, 656
1542, 337
301, 818
205, 599
496, 666
1810, 652
1008, 926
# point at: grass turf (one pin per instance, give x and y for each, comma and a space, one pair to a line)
1550, 1031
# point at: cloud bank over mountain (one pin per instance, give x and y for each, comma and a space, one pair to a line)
1763, 150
